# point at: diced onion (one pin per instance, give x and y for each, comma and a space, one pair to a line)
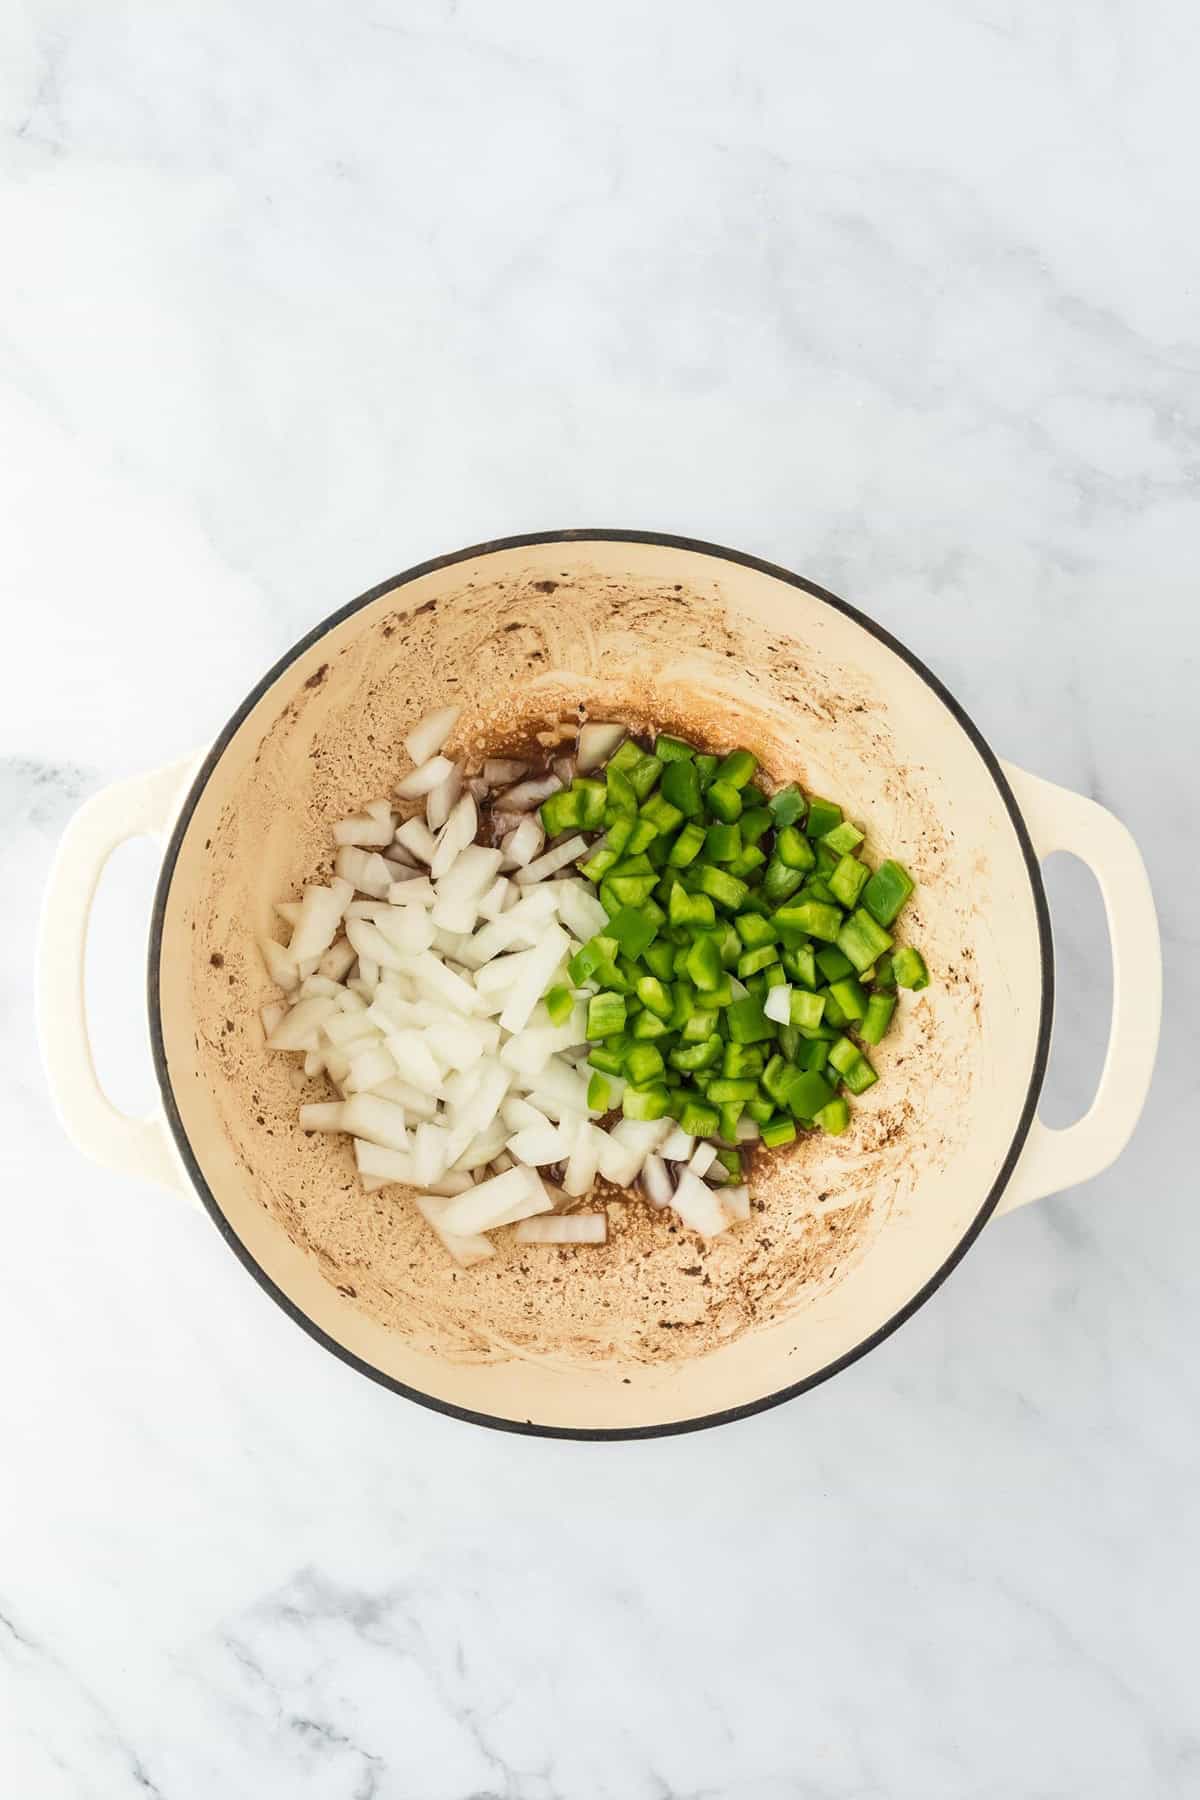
698, 1207
522, 844
553, 860
528, 794
460, 829
502, 771
656, 1181
466, 1248
565, 1228
778, 1003
735, 1203
596, 744
427, 737
442, 799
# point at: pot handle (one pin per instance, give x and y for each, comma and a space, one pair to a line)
1061, 820
142, 806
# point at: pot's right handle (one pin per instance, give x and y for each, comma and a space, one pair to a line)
139, 1147
1061, 820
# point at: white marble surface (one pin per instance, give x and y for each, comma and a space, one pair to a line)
294, 296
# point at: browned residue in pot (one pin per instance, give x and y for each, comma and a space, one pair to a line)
522, 659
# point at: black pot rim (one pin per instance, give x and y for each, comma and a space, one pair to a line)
719, 553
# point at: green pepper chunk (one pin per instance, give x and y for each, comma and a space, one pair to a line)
634, 928
848, 880
651, 992
649, 1025
646, 1103
670, 749
698, 1119
751, 961
681, 787
823, 815
659, 812
607, 1061
724, 1089
885, 972
813, 1054
559, 1002
697, 1056
754, 823
740, 1060
724, 801
806, 1011
800, 965
754, 930
621, 797
704, 964
887, 891
690, 909
813, 918
698, 1027
909, 967
643, 1064
880, 1008
760, 1109
642, 835
563, 812
659, 958
687, 847
832, 964
722, 843
862, 940
793, 849
599, 1094
786, 806
746, 1022
807, 1092
737, 768
644, 775
606, 1015
727, 890
833, 1117
850, 996
777, 1131
599, 863
780, 882
843, 838
706, 767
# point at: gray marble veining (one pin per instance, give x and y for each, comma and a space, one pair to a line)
296, 297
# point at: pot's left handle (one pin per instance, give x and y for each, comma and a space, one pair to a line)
141, 807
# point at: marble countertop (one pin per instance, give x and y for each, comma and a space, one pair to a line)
297, 296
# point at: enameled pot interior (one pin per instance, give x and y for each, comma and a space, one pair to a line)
656, 1329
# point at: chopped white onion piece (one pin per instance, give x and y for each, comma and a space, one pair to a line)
416, 1104
698, 1207
596, 744
413, 893
288, 911
430, 733
385, 1165
454, 1181
364, 830
568, 1228
579, 909
484, 1147
657, 1184
466, 1249
778, 1004
324, 1115
366, 870
583, 1164
368, 1068
540, 1145
502, 1200
415, 836
344, 1027
735, 1203
522, 844
271, 1015
459, 831
502, 771
377, 1120
424, 779
748, 1130
413, 1061
553, 860
740, 990
281, 964
297, 1030
498, 896
528, 794
533, 982
442, 799
678, 1147
338, 960
703, 1158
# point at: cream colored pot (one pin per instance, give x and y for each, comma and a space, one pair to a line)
655, 1332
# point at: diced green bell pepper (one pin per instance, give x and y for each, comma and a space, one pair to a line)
737, 768
724, 801
687, 847
806, 1010
727, 890
787, 806
670, 749
833, 1117
861, 939
823, 815
646, 1103
751, 961
843, 838
793, 849
777, 1131
780, 882
634, 928
746, 1022
887, 891
681, 787
698, 1119
910, 970
722, 843
813, 918
606, 1015
850, 996
559, 1002
848, 880
880, 1008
